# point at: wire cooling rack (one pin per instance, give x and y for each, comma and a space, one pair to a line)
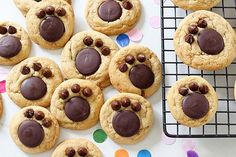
224, 122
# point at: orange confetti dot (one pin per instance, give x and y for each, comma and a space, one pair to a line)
121, 153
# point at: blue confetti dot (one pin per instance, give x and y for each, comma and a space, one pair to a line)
192, 153
144, 153
123, 40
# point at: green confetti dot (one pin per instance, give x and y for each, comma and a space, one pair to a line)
99, 136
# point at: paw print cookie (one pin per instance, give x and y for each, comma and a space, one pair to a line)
135, 69
77, 147
205, 40
192, 101
25, 5
34, 129
87, 56
15, 44
76, 104
50, 23
113, 17
196, 4
126, 118
1, 106
33, 81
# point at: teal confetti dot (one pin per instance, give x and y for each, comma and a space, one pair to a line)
123, 40
144, 153
99, 136
192, 153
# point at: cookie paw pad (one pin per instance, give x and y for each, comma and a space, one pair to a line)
195, 105
88, 60
34, 88
70, 152
110, 10
76, 108
126, 123
51, 27
140, 75
209, 40
10, 45
30, 131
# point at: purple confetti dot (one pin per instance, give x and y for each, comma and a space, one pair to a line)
191, 153
123, 40
144, 153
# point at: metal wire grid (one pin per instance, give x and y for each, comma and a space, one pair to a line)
224, 122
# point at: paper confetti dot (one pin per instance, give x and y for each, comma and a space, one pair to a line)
191, 153
3, 86
123, 40
144, 153
167, 140
121, 153
99, 136
135, 35
155, 22
188, 144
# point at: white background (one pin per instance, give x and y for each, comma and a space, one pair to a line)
204, 147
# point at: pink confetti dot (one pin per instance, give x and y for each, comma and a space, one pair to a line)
3, 86
135, 35
155, 22
167, 140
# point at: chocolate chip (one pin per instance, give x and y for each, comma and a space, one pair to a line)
189, 38
47, 72
141, 76
11, 30
141, 58
39, 115
30, 133
87, 92
204, 89
10, 46
125, 102
46, 122
115, 105
210, 41
3, 30
129, 59
88, 41
49, 10
51, 28
193, 29
25, 70
37, 66
88, 61
110, 11
183, 91
106, 50
61, 12
41, 14
127, 5
98, 43
29, 113
136, 107
75, 88
77, 109
63, 94
195, 105
193, 86
202, 23
126, 123
82, 151
70, 152
33, 88
123, 67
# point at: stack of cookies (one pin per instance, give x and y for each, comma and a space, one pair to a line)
205, 41
90, 62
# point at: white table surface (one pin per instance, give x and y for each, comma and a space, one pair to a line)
153, 142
